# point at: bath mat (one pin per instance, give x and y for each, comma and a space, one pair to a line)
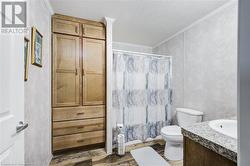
147, 156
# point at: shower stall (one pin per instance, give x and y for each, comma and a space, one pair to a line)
141, 94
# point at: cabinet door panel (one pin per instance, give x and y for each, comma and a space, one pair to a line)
67, 88
93, 31
94, 57
66, 78
94, 87
94, 72
66, 27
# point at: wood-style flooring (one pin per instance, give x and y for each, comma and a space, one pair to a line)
98, 157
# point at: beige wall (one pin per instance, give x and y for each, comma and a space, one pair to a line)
38, 92
205, 64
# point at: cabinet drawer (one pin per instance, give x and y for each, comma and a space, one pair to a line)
76, 140
66, 27
78, 126
73, 113
93, 31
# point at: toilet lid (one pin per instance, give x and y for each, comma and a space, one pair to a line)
171, 130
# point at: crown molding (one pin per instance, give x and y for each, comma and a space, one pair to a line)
108, 20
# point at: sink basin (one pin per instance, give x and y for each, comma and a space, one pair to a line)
224, 126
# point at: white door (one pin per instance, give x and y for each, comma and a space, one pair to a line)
11, 99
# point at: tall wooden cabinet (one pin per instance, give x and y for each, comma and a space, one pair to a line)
78, 83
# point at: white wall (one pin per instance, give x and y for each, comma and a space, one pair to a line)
244, 84
38, 91
132, 47
175, 48
205, 64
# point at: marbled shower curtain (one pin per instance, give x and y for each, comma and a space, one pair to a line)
141, 94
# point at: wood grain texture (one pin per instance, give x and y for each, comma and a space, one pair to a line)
78, 126
78, 83
93, 72
93, 31
77, 113
79, 20
66, 27
197, 155
66, 66
76, 140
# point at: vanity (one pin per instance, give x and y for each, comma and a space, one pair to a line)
211, 143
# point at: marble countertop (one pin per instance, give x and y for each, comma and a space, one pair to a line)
217, 142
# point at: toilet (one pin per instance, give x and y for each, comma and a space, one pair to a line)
172, 134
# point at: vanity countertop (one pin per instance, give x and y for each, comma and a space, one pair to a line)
207, 137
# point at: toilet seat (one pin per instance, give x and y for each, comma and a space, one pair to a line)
172, 130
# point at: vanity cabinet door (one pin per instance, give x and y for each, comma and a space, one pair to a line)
197, 155
66, 66
93, 72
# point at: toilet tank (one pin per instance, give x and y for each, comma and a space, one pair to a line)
186, 117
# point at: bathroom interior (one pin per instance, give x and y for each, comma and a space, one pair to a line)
127, 82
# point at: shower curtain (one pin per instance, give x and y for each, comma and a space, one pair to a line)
141, 94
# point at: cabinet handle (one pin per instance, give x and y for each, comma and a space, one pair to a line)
76, 72
80, 113
81, 140
81, 127
76, 29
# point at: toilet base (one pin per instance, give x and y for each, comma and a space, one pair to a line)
173, 151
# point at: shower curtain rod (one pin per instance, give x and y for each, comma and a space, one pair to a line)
143, 54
